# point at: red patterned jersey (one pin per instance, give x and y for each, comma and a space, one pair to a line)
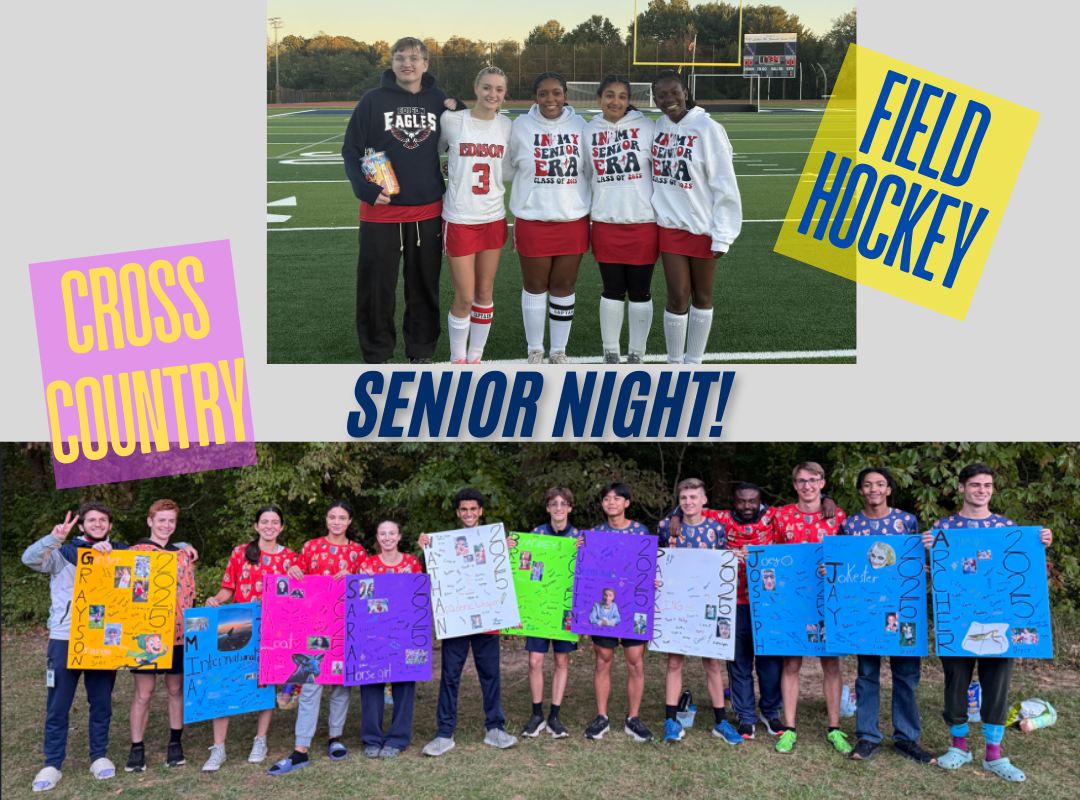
373, 565
185, 581
741, 534
791, 526
320, 557
246, 579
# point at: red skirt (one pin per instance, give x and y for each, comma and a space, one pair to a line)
684, 243
465, 240
625, 244
534, 239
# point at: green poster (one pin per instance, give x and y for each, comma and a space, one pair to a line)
543, 568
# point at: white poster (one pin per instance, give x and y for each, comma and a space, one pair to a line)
696, 603
472, 590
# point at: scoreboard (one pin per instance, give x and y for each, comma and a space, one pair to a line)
770, 55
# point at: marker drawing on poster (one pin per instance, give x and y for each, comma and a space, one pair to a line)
696, 604
387, 628
543, 570
303, 633
615, 585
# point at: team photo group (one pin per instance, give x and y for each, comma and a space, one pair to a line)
632, 189
610, 579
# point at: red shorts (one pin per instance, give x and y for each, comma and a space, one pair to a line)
534, 239
464, 240
684, 243
625, 244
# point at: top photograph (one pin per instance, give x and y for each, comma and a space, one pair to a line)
540, 192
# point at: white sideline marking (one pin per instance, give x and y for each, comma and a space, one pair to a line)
510, 224
661, 358
297, 150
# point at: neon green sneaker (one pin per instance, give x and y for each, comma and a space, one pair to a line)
838, 739
786, 743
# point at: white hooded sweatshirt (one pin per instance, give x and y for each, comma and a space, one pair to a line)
618, 163
694, 186
546, 162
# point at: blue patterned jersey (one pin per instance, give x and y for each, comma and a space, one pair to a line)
547, 530
709, 535
635, 527
956, 521
895, 522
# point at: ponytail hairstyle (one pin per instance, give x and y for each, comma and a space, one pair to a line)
543, 76
675, 76
610, 79
251, 552
393, 522
488, 71
347, 507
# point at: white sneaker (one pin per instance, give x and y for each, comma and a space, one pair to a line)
47, 779
258, 751
558, 357
497, 737
217, 758
103, 769
535, 357
438, 746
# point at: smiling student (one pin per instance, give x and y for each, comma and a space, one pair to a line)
699, 210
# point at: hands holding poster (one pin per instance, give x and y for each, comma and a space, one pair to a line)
787, 600
123, 610
471, 587
696, 603
221, 662
543, 570
387, 628
303, 637
875, 594
990, 593
615, 585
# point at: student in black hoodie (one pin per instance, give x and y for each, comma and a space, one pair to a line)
399, 118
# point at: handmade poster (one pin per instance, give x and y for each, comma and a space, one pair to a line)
696, 603
303, 630
123, 612
543, 570
875, 594
387, 628
472, 590
221, 662
787, 600
991, 599
615, 585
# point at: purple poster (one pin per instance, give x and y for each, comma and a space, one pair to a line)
615, 585
387, 628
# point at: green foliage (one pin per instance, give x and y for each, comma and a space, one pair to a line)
26, 595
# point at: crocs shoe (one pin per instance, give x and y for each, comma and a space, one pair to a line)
337, 751
286, 765
786, 743
1004, 769
47, 779
954, 758
102, 769
372, 751
389, 752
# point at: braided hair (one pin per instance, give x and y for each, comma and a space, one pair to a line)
666, 74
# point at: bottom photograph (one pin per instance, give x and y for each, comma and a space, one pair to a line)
548, 620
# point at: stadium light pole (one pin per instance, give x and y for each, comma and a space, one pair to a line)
826, 77
275, 23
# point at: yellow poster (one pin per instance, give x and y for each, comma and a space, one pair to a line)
124, 610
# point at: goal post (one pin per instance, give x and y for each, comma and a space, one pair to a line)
578, 92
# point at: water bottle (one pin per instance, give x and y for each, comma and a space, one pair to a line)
847, 702
388, 697
974, 702
684, 701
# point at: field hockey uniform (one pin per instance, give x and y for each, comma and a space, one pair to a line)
474, 216
550, 204
698, 208
245, 579
624, 231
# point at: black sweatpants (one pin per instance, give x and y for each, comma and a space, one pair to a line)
382, 246
995, 676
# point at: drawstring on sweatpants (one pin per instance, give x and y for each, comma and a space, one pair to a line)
418, 233
401, 235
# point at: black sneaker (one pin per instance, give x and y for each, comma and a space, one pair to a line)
137, 759
556, 728
421, 361
534, 726
914, 752
176, 755
636, 730
865, 750
599, 727
746, 731
774, 726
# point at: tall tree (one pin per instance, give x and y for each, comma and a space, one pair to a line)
596, 29
551, 32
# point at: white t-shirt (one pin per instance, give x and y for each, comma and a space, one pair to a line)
478, 152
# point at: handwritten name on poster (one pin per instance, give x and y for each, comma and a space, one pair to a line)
303, 636
875, 594
123, 614
543, 570
990, 593
387, 628
696, 603
221, 662
615, 585
471, 587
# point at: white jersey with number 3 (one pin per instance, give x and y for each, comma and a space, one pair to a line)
478, 151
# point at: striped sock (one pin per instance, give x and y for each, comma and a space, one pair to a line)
479, 327
561, 315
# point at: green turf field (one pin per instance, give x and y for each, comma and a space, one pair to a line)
769, 308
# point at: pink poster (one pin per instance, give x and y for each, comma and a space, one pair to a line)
303, 630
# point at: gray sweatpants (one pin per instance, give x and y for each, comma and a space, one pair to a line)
307, 717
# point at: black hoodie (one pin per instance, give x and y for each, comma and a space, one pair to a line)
404, 125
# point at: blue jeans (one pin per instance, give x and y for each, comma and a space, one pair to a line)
99, 687
905, 712
741, 674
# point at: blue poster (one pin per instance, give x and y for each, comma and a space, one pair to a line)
787, 600
875, 594
991, 599
221, 662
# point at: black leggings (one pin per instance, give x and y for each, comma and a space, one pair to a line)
620, 279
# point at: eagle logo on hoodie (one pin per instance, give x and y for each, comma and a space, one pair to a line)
410, 126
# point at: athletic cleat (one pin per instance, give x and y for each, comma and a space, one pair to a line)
175, 757
786, 743
534, 726
556, 728
136, 759
635, 358
746, 731
637, 731
421, 361
459, 361
611, 357
535, 357
599, 727
838, 739
723, 730
475, 361
673, 731
558, 357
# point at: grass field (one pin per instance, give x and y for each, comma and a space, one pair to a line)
701, 766
768, 307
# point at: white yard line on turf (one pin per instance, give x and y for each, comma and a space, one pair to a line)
660, 358
510, 224
286, 114
314, 144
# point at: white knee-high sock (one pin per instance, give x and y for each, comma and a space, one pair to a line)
698, 336
640, 323
561, 314
611, 319
459, 336
675, 336
479, 326
533, 310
